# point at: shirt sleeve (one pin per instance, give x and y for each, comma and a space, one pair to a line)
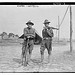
43, 33
25, 32
33, 35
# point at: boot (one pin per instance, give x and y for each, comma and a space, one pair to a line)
29, 57
22, 59
48, 58
42, 58
25, 61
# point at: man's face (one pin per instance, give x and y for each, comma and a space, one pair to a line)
30, 25
47, 24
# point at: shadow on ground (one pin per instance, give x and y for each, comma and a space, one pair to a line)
17, 60
69, 53
36, 60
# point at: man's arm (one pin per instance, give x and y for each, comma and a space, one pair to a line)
29, 35
42, 32
54, 28
25, 32
33, 34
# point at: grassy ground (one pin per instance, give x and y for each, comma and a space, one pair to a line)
61, 59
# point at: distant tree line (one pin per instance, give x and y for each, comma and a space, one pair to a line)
4, 34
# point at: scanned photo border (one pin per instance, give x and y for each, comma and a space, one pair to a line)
37, 3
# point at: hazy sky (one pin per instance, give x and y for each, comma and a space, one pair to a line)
13, 19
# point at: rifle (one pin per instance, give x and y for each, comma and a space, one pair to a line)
54, 28
51, 28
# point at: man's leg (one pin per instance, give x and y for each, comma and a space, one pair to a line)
49, 48
42, 56
22, 55
30, 49
49, 54
23, 52
42, 48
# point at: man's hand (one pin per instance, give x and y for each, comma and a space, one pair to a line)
24, 38
57, 28
28, 36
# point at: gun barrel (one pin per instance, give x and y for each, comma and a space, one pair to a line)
54, 28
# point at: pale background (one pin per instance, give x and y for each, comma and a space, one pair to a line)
13, 18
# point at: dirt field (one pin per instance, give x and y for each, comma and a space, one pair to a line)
61, 59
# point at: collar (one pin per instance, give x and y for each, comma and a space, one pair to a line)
29, 28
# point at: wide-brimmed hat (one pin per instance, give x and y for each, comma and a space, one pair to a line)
46, 22
29, 22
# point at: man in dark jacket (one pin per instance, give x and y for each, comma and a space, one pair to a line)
47, 34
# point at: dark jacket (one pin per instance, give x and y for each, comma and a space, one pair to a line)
47, 33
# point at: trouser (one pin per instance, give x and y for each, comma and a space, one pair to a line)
30, 47
46, 44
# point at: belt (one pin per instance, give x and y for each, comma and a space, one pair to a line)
47, 38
